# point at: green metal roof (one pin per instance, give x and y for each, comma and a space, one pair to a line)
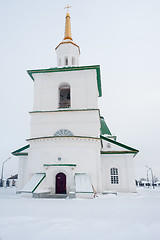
118, 152
20, 150
135, 151
65, 69
104, 127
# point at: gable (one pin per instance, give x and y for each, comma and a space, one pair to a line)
110, 146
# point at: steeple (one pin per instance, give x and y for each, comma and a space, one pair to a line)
67, 34
67, 51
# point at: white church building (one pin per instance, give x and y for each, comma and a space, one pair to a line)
71, 151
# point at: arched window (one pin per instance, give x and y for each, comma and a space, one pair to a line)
64, 96
73, 61
114, 175
63, 132
66, 61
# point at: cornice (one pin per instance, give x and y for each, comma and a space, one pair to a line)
62, 138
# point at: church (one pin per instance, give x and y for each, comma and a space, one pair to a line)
71, 151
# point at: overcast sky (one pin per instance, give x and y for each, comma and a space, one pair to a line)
122, 36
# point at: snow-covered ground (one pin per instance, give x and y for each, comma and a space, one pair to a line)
110, 217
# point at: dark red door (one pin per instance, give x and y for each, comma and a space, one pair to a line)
60, 183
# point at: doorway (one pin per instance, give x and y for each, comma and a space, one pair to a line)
60, 183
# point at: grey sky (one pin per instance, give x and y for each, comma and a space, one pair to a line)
123, 36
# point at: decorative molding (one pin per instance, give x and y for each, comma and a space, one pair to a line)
81, 138
66, 110
60, 165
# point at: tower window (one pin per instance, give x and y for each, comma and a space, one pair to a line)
66, 61
114, 176
64, 96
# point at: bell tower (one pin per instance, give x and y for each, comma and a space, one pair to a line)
67, 51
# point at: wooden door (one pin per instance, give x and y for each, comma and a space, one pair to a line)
60, 183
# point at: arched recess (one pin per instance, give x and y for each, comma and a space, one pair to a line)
63, 132
73, 61
64, 96
60, 183
66, 61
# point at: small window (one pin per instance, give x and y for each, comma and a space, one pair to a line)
64, 96
66, 61
108, 145
114, 176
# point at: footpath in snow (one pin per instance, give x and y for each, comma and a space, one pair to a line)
109, 217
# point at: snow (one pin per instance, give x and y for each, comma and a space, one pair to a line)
108, 217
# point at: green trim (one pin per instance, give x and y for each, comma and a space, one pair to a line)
120, 144
80, 173
41, 173
66, 69
39, 181
60, 165
20, 154
118, 152
63, 137
17, 152
104, 128
66, 110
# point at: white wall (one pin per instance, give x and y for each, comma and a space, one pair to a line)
67, 50
80, 123
85, 153
124, 163
83, 84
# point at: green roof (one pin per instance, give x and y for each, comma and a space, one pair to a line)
104, 127
135, 151
20, 151
65, 69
